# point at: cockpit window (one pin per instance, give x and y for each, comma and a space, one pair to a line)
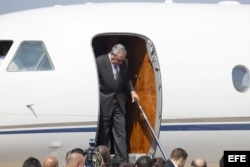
4, 49
31, 56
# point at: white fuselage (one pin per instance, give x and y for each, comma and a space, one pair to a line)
197, 48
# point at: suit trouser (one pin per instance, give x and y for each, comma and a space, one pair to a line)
117, 124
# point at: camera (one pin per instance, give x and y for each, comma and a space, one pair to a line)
92, 157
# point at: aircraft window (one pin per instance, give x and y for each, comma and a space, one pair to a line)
31, 56
4, 49
241, 78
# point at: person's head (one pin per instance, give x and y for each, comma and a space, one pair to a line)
126, 164
144, 161
32, 162
159, 162
198, 162
118, 54
75, 160
50, 161
75, 150
104, 151
222, 161
179, 156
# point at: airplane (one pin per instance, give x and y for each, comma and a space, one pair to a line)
189, 63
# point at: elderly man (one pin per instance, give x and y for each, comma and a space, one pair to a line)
114, 83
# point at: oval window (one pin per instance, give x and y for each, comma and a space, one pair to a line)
241, 78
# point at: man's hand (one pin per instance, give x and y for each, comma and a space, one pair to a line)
134, 96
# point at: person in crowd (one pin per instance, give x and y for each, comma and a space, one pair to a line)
50, 161
178, 158
75, 160
32, 162
113, 84
104, 151
221, 163
126, 164
159, 162
198, 162
75, 150
144, 161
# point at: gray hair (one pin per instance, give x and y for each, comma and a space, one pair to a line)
118, 48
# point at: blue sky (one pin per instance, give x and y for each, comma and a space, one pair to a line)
7, 6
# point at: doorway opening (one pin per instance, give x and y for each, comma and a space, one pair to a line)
144, 71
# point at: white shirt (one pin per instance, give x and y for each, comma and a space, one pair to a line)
117, 67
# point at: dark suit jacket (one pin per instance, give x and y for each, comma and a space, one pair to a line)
110, 88
169, 163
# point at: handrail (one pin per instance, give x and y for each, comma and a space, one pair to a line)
151, 129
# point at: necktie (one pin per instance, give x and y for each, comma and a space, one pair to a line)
116, 72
